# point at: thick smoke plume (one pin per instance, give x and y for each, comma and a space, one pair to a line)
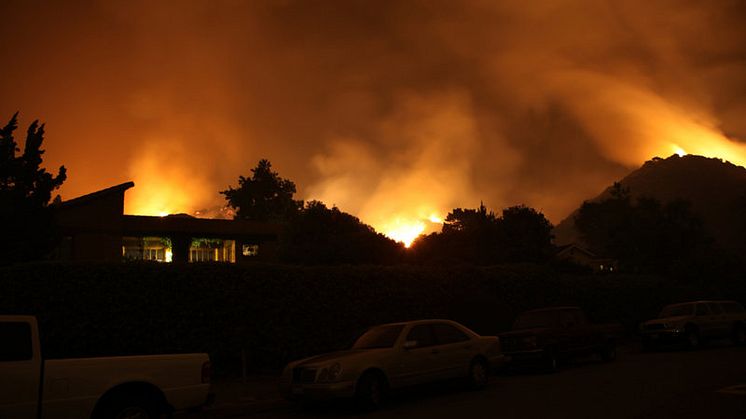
394, 111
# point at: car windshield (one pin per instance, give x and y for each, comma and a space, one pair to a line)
677, 310
536, 319
378, 337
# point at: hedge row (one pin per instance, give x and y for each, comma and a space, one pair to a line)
279, 313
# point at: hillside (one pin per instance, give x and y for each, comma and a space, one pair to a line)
715, 188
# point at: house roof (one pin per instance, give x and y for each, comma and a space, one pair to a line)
97, 195
563, 250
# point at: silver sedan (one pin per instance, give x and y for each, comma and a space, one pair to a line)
393, 356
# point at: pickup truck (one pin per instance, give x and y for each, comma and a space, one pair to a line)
548, 336
143, 387
693, 322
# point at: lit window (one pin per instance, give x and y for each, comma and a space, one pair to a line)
250, 250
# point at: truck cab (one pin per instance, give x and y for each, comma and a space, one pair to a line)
96, 388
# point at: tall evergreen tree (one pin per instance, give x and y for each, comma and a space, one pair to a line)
25, 193
265, 196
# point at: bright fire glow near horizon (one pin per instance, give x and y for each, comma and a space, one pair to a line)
163, 187
395, 112
406, 230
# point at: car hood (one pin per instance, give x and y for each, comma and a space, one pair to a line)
340, 356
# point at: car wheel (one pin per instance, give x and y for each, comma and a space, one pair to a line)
608, 352
692, 339
478, 374
739, 335
369, 392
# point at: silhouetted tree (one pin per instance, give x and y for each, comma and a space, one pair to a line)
265, 196
643, 235
25, 191
478, 236
527, 234
321, 235
469, 220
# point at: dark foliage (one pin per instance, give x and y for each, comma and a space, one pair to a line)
25, 191
644, 235
318, 235
712, 186
265, 196
478, 236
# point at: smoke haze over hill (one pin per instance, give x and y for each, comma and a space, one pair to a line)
395, 111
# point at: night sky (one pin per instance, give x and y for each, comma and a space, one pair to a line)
394, 111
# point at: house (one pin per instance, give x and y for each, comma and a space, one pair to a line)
579, 255
95, 228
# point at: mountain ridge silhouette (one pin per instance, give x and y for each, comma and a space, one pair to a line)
715, 188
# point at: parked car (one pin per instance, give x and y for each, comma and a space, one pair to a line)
547, 336
393, 356
693, 322
97, 388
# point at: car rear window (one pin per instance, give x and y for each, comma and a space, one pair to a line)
15, 342
732, 308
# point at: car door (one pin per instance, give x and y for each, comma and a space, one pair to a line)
720, 323
705, 321
568, 339
455, 350
420, 357
20, 368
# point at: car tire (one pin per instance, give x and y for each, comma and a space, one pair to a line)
370, 391
738, 335
608, 352
692, 340
478, 374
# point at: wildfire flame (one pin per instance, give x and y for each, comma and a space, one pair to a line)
406, 229
163, 187
678, 150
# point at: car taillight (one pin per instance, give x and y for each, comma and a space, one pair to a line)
206, 372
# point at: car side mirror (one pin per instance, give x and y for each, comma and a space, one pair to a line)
410, 344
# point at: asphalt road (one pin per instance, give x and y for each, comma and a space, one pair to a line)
709, 383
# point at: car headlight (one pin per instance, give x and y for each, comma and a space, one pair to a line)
330, 373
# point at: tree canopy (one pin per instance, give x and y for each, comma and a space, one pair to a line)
265, 196
479, 236
25, 192
644, 235
321, 235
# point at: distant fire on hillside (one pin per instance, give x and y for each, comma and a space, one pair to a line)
395, 112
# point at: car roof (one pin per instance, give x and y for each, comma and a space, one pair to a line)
421, 321
702, 301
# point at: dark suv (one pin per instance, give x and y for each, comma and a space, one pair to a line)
548, 336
